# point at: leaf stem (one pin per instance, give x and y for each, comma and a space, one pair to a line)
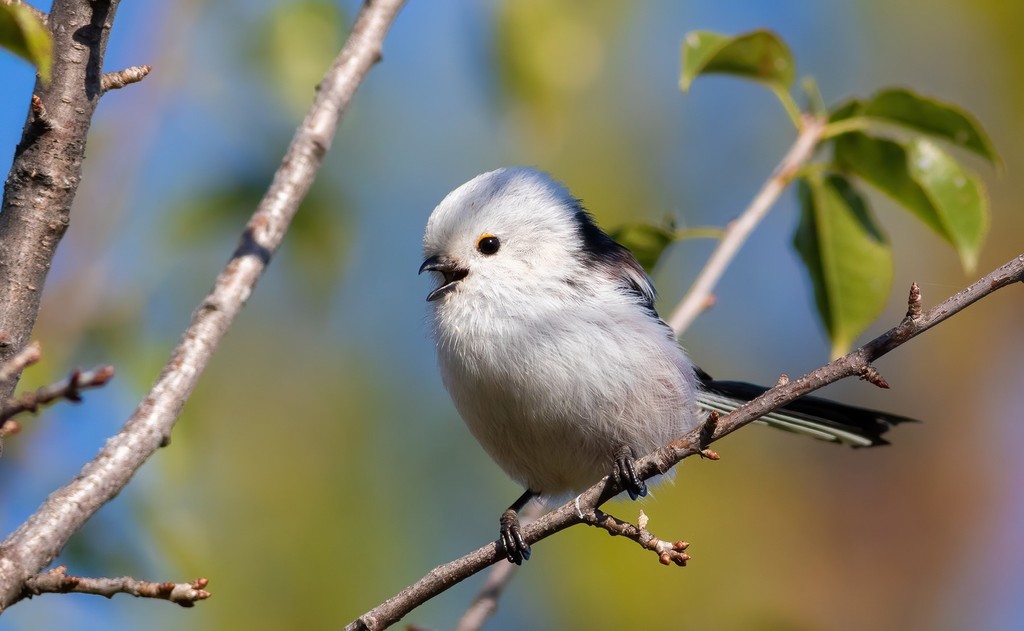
792, 109
845, 126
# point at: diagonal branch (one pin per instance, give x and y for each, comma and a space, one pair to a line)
40, 539
58, 581
574, 512
700, 296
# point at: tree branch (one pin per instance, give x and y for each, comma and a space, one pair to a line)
700, 297
43, 179
668, 551
786, 391
57, 581
70, 389
39, 540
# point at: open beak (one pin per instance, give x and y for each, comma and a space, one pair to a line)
447, 268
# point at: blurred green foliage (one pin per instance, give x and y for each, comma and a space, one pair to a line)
293, 45
548, 51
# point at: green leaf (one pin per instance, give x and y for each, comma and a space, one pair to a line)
845, 110
957, 195
758, 55
24, 35
847, 256
926, 181
646, 242
933, 117
883, 164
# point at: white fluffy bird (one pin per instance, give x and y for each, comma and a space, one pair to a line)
553, 354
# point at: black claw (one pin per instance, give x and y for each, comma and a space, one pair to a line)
516, 548
625, 471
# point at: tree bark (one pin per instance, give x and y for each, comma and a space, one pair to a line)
47, 168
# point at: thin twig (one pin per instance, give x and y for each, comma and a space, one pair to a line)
699, 296
37, 542
58, 581
119, 79
445, 576
70, 389
25, 357
668, 552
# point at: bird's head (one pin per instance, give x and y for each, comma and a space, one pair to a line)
516, 231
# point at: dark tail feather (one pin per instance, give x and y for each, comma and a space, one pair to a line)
817, 417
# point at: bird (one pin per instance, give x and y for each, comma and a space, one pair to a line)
551, 349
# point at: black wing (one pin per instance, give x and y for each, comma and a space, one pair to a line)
818, 417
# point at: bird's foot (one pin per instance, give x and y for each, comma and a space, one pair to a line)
625, 473
516, 548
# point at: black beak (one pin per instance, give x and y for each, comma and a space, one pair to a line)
451, 272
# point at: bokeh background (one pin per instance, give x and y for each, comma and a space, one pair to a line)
320, 467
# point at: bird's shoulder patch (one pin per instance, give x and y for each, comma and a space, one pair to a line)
605, 255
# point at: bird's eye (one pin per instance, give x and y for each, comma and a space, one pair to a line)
488, 244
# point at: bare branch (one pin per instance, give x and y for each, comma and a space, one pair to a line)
10, 369
668, 551
57, 581
121, 78
47, 167
39, 15
37, 542
70, 389
445, 576
700, 296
